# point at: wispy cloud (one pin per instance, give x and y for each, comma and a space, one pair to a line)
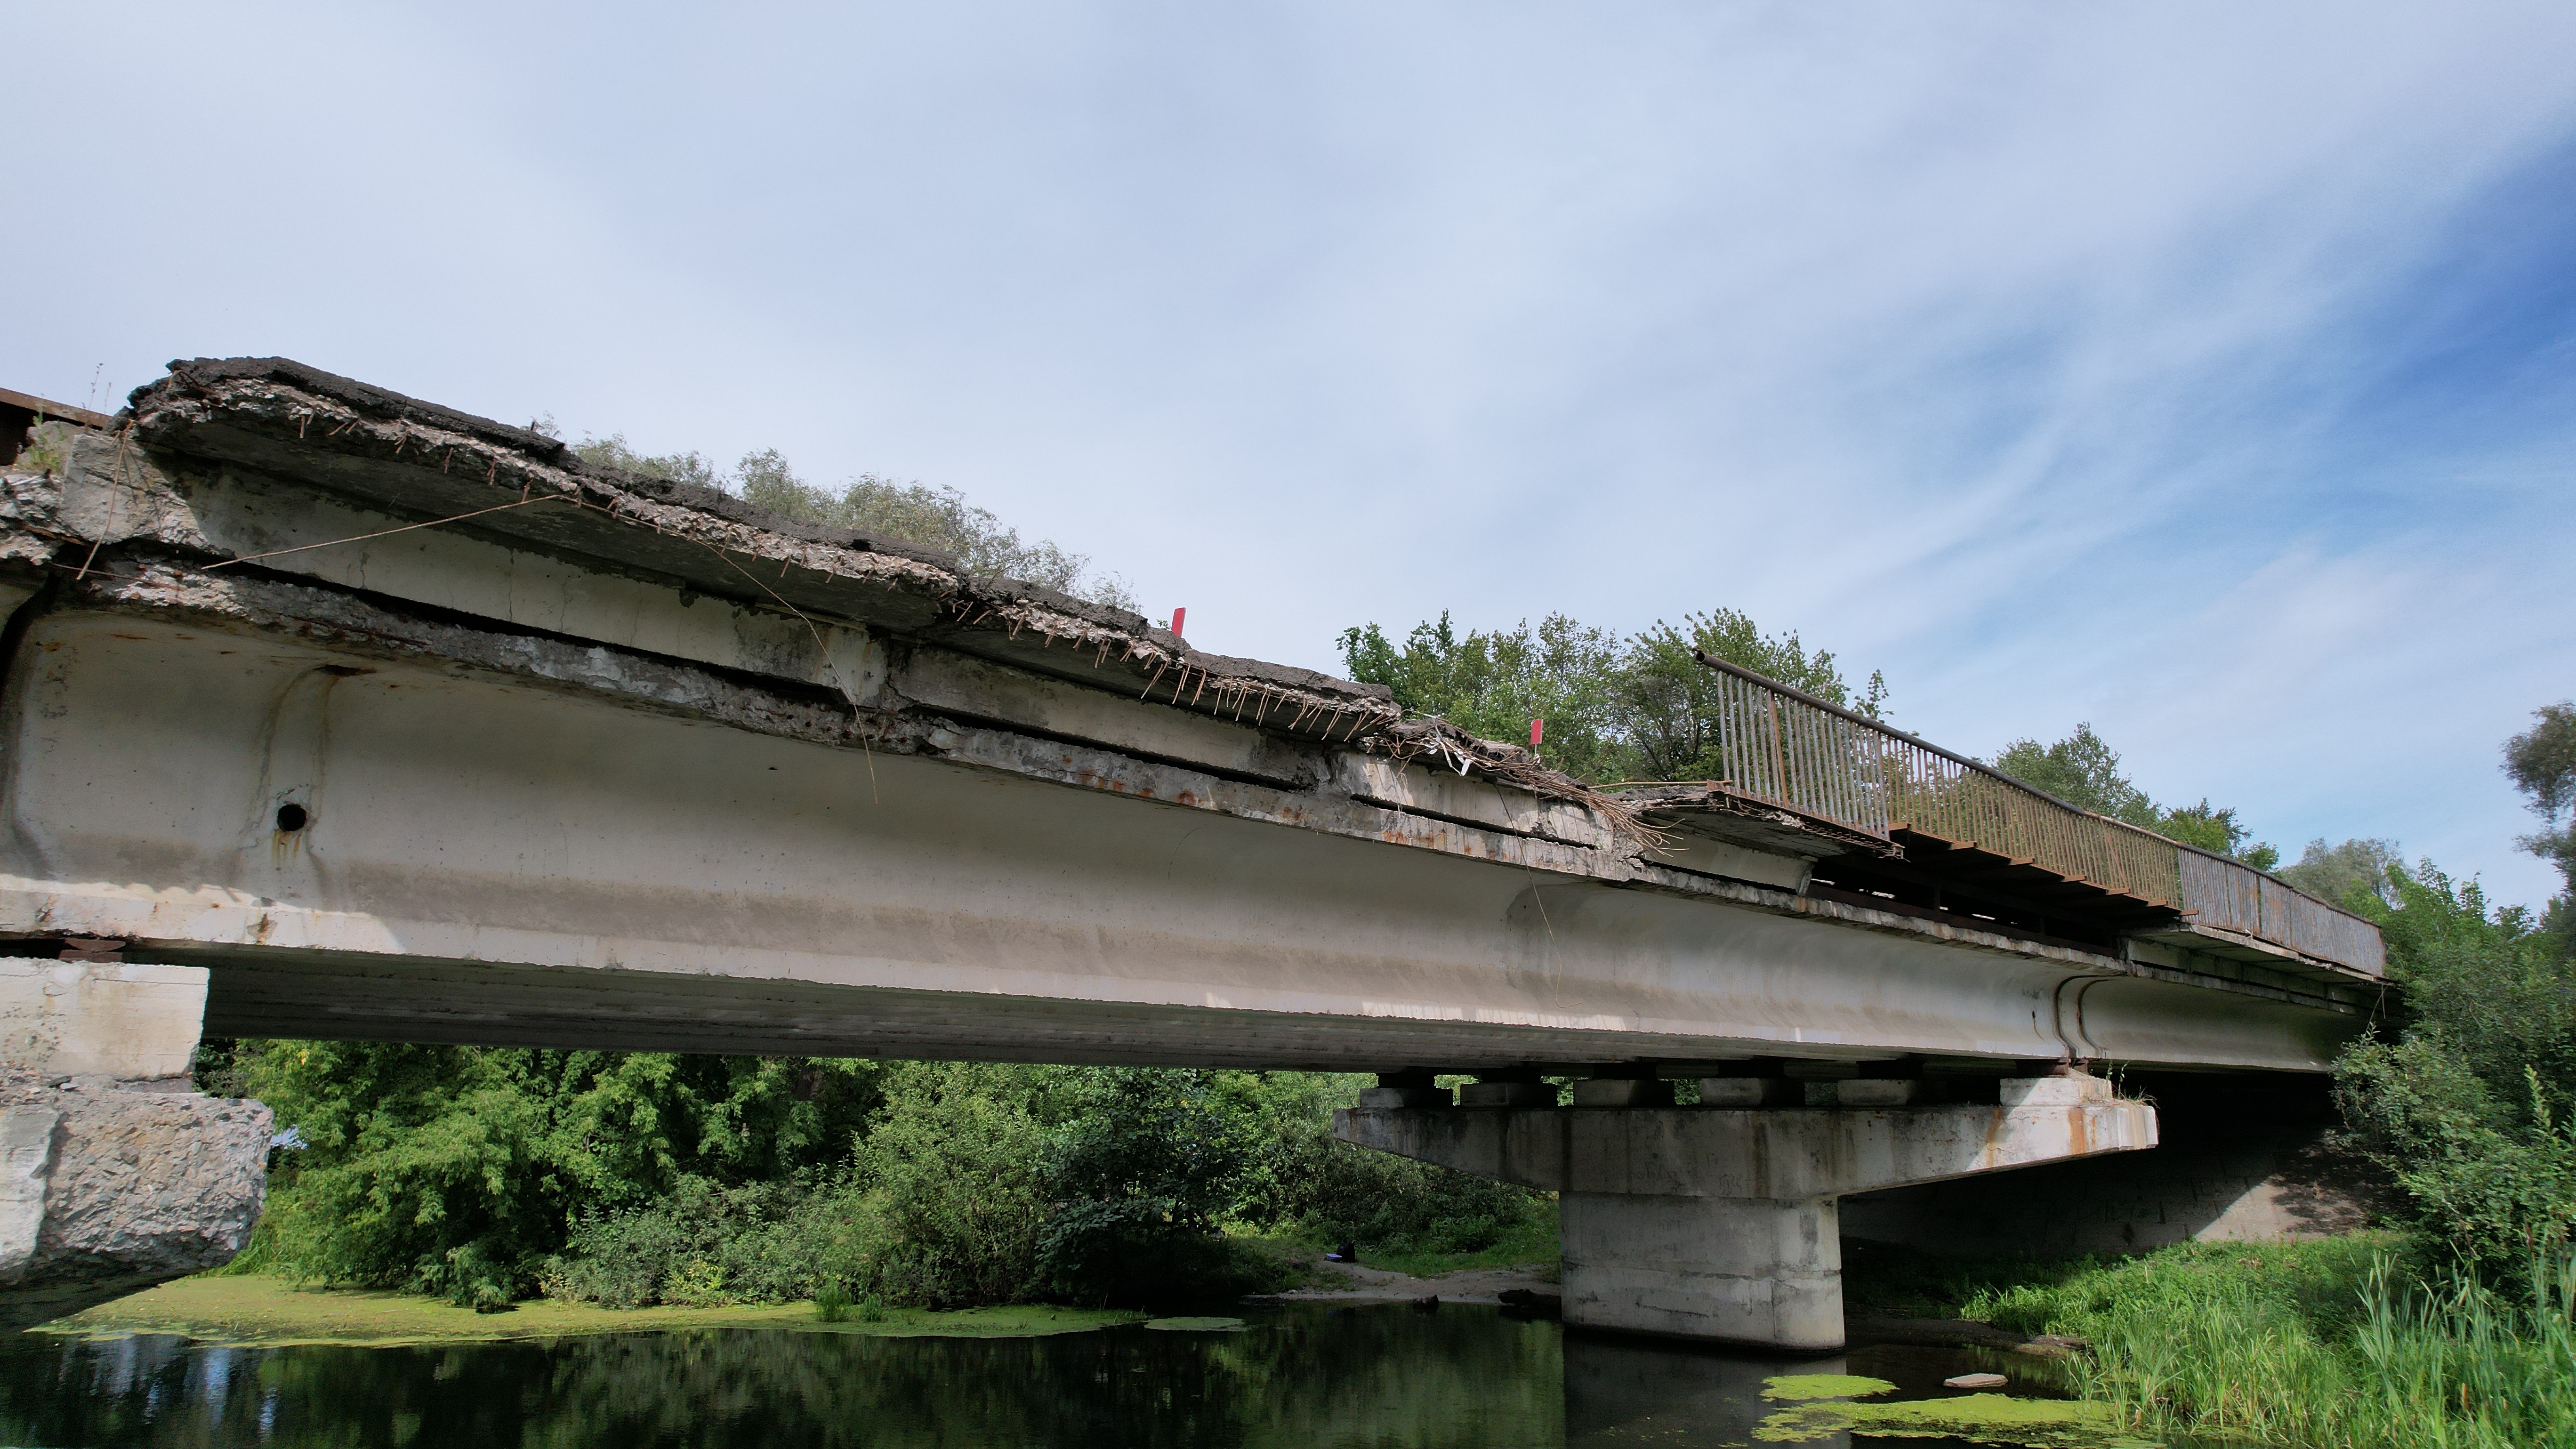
2200, 370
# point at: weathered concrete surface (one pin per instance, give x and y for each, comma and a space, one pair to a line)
580, 758
2240, 1159
1722, 1224
497, 861
1771, 1153
101, 1018
104, 1192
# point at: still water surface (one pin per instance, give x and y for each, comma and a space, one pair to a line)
1305, 1375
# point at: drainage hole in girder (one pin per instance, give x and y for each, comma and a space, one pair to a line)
292, 817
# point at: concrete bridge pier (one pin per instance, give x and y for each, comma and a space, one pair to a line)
1738, 1270
1721, 1223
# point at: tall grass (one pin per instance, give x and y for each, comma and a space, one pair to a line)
2331, 1345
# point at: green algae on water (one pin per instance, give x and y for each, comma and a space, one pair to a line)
1197, 1325
252, 1310
1977, 1418
1824, 1386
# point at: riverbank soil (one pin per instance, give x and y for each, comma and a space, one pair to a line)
254, 1311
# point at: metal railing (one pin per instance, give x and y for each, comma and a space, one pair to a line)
1788, 748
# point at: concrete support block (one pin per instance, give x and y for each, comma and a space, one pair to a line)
1750, 1092
1622, 1092
1385, 1097
2067, 1090
134, 1023
1507, 1094
1725, 1269
1877, 1092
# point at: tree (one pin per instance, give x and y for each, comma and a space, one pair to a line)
1492, 684
1667, 702
2083, 770
933, 518
1616, 709
2336, 872
2542, 762
1138, 1176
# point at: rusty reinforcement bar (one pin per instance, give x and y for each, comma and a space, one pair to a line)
1786, 747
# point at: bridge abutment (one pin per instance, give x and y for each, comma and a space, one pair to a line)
1722, 1223
114, 1173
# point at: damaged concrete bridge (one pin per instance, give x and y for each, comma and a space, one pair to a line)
332, 713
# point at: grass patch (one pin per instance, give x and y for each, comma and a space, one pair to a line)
255, 1311
2339, 1343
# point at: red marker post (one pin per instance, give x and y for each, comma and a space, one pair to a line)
1176, 622
1538, 729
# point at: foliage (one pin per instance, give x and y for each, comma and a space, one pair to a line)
2496, 1189
456, 1170
2469, 1102
1392, 1206
1138, 1178
1642, 708
953, 1204
1492, 684
2338, 1342
2542, 762
636, 1179
915, 513
2084, 771
2335, 872
1615, 709
1667, 701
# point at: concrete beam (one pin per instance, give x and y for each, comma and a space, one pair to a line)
613, 762
1764, 1153
503, 859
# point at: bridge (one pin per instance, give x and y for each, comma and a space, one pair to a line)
333, 713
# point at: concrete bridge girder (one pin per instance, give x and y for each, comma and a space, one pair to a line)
483, 859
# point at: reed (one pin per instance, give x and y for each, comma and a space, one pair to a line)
2336, 1345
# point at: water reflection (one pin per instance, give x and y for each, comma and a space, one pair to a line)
1619, 1391
1307, 1375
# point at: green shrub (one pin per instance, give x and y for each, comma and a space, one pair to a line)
1338, 1192
950, 1173
2473, 1105
831, 1302
462, 1171
2321, 1345
1138, 1175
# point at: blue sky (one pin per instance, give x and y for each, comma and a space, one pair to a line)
2204, 371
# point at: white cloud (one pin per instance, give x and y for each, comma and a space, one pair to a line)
2031, 353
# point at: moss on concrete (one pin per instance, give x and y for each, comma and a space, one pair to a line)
255, 1311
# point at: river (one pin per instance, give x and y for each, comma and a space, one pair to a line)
1301, 1375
